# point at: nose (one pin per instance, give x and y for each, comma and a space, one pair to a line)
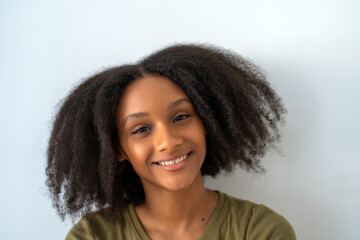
167, 138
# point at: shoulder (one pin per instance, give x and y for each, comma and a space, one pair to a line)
258, 221
96, 225
267, 224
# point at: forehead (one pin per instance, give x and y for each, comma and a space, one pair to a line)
149, 91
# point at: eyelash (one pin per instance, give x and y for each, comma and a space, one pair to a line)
139, 131
145, 129
182, 117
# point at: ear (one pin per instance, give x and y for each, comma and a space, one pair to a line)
121, 155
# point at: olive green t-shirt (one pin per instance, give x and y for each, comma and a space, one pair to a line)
232, 219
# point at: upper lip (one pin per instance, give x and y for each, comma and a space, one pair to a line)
172, 157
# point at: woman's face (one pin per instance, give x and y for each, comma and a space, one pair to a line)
160, 134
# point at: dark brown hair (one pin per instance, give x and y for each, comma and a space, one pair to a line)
240, 111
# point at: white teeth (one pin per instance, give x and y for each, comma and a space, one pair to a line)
167, 163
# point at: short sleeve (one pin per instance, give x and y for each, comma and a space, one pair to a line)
265, 224
80, 231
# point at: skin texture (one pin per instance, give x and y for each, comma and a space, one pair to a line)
156, 121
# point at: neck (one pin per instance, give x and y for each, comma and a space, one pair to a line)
177, 209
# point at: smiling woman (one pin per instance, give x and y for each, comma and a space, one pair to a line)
164, 138
130, 145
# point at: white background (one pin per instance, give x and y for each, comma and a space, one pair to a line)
310, 50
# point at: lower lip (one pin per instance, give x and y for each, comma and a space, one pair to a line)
175, 166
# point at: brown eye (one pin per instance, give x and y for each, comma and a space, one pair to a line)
181, 117
141, 130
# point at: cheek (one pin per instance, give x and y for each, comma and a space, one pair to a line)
197, 136
202, 145
138, 151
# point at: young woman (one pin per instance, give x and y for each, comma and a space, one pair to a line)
130, 145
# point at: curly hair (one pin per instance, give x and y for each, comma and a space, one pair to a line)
240, 112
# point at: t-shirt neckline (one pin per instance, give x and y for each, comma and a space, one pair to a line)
216, 217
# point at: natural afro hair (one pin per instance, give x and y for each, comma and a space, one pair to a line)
240, 111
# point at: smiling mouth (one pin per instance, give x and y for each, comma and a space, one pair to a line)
172, 162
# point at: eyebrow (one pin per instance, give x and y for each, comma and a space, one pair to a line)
142, 114
177, 102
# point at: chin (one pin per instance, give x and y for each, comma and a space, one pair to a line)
175, 186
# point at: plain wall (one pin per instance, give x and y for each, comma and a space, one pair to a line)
309, 49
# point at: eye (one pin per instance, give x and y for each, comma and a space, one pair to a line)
141, 130
181, 117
